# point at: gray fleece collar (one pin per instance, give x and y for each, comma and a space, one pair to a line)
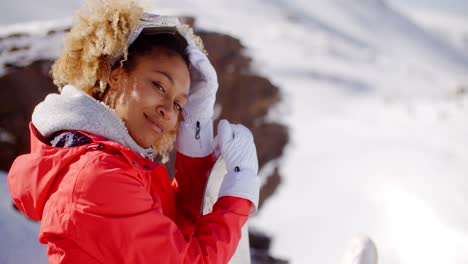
73, 109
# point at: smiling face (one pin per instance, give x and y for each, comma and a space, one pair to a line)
149, 96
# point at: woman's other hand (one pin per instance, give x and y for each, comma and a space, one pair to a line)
195, 135
238, 149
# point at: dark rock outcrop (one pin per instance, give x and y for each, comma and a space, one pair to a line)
21, 89
260, 247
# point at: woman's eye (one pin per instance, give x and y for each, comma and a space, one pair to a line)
159, 87
178, 107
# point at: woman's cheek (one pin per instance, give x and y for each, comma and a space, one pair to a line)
176, 120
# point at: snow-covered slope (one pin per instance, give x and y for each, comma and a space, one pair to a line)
378, 120
18, 236
377, 106
22, 44
447, 26
321, 39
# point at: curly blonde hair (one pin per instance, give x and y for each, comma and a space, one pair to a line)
98, 35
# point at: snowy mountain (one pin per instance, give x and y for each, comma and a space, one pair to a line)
447, 26
377, 107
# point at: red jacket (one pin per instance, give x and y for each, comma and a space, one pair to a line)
104, 203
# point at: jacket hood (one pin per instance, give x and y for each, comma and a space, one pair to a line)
74, 109
33, 177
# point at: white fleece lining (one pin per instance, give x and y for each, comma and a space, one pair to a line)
74, 109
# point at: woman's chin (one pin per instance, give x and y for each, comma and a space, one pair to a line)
146, 139
151, 140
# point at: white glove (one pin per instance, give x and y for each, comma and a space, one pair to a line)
195, 135
238, 149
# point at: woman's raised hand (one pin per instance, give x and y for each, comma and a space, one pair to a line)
195, 135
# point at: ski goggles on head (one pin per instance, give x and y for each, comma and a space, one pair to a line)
152, 24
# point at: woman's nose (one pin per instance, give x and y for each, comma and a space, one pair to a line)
165, 110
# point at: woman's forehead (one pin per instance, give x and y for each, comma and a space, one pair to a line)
163, 56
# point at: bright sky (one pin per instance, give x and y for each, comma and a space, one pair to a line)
15, 12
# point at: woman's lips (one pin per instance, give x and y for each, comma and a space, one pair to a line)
158, 128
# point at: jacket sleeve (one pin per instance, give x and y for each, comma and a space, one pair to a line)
116, 220
190, 179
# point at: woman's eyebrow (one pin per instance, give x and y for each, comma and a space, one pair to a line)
168, 76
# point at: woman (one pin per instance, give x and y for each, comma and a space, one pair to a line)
132, 83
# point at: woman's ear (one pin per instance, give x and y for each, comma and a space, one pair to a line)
115, 76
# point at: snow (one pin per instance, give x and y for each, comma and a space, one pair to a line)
6, 137
448, 26
18, 235
25, 43
378, 130
374, 101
